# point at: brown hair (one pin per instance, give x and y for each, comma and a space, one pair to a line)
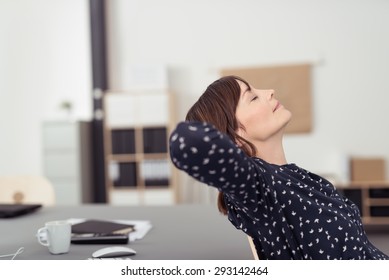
217, 106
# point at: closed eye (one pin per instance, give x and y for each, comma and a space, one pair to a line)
254, 98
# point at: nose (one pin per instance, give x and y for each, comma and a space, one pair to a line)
266, 93
270, 93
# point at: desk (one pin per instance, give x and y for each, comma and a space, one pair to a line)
182, 232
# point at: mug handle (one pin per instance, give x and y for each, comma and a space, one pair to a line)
39, 236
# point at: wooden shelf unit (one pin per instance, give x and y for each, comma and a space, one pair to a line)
136, 130
372, 198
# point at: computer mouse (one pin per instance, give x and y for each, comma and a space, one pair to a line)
113, 251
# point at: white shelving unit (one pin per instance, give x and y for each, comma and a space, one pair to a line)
137, 125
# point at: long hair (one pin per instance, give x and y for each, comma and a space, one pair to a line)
217, 106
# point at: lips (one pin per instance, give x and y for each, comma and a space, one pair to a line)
277, 106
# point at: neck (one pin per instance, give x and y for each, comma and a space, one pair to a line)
271, 152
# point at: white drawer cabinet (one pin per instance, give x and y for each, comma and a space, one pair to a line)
67, 160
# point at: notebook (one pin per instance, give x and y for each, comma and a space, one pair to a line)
101, 226
15, 210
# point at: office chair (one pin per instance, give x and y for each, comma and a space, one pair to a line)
252, 247
26, 189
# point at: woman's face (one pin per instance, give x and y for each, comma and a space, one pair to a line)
261, 115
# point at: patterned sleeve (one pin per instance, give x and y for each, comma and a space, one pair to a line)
213, 158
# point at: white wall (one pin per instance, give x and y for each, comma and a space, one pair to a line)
44, 60
347, 42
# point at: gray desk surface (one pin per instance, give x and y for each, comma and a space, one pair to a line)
182, 232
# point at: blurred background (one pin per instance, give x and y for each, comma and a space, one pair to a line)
48, 76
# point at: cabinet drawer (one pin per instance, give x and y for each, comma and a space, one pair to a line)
67, 191
379, 193
62, 165
379, 211
59, 136
125, 197
159, 197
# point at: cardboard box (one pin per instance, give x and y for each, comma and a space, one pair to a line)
367, 169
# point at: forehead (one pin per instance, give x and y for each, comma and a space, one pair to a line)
242, 84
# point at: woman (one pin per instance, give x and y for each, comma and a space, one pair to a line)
232, 140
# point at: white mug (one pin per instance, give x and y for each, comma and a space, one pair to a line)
58, 236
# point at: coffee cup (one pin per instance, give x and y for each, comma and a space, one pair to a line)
58, 236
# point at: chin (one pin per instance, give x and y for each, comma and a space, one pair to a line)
288, 116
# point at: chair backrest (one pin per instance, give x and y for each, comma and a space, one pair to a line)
26, 189
252, 246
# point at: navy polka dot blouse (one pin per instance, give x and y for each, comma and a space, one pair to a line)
289, 212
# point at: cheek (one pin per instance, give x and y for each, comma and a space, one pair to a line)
255, 118
255, 122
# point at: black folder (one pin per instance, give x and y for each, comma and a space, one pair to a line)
15, 210
101, 226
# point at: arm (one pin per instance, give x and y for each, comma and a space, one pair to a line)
211, 157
